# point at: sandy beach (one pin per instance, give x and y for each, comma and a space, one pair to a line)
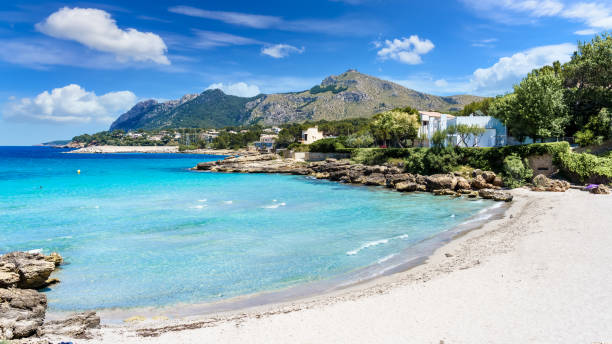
541, 274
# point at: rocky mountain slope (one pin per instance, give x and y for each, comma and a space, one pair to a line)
351, 94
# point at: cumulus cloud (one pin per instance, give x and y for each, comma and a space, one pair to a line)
405, 50
240, 89
508, 70
280, 50
69, 104
96, 29
595, 15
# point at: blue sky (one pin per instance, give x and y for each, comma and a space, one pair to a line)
72, 67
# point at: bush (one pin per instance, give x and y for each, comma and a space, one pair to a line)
360, 140
585, 167
586, 138
298, 147
330, 145
516, 171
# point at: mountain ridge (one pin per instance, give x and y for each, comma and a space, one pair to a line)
347, 95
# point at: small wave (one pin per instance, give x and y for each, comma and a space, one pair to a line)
36, 250
228, 202
452, 215
274, 206
376, 243
384, 259
198, 207
202, 200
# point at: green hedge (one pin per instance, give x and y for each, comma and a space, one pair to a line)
441, 160
584, 167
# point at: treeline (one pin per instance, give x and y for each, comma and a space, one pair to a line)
570, 99
118, 137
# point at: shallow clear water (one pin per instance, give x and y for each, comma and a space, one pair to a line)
143, 230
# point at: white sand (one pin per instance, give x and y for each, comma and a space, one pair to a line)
542, 274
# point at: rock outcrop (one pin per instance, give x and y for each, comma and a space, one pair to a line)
600, 190
377, 175
22, 312
77, 326
33, 270
543, 183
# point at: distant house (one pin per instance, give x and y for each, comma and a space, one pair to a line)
266, 142
157, 137
495, 134
311, 135
209, 136
133, 135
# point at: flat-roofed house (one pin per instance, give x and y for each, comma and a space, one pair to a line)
311, 135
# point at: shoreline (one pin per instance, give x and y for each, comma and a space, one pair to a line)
474, 287
409, 258
156, 150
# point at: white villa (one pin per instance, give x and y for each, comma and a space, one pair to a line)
311, 135
266, 142
495, 134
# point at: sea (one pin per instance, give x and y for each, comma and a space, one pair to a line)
143, 230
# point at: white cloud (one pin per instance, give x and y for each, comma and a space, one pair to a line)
240, 89
280, 50
508, 70
70, 104
210, 39
337, 26
405, 50
597, 15
96, 29
250, 20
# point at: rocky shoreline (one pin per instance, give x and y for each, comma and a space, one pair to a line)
23, 307
484, 184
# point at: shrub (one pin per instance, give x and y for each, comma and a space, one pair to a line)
298, 147
415, 162
441, 160
516, 171
585, 167
330, 145
586, 138
360, 140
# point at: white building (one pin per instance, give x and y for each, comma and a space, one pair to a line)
311, 135
266, 142
495, 134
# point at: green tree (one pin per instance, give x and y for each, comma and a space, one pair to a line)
396, 126
536, 108
588, 78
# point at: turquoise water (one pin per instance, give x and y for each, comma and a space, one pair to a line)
142, 230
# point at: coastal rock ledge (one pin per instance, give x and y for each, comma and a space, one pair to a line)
345, 171
23, 307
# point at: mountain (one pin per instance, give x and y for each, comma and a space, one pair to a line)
351, 94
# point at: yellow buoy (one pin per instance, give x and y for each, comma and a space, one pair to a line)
79, 171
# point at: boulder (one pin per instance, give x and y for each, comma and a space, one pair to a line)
77, 326
480, 183
55, 258
205, 166
406, 186
498, 181
543, 183
33, 268
421, 187
600, 190
488, 176
444, 192
496, 195
393, 179
22, 312
441, 181
462, 184
321, 175
376, 179
9, 275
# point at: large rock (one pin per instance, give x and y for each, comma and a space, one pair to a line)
22, 312
33, 268
393, 179
496, 195
543, 183
376, 179
77, 326
480, 183
600, 190
9, 274
406, 186
462, 184
488, 176
441, 181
